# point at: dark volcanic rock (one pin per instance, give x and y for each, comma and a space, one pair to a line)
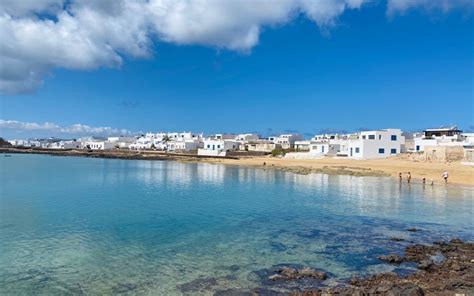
418, 253
393, 258
413, 229
453, 274
425, 264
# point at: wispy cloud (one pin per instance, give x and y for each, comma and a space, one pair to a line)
52, 129
401, 6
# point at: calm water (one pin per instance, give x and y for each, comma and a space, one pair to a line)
97, 226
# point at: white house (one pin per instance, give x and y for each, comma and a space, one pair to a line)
98, 145
142, 143
218, 147
330, 144
72, 145
324, 148
183, 145
259, 146
223, 137
171, 141
122, 142
376, 144
286, 140
438, 137
468, 139
246, 137
65, 145
302, 145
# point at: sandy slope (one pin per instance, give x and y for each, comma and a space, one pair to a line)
458, 173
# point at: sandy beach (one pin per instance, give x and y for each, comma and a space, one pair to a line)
458, 173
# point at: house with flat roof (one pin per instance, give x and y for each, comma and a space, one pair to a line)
376, 144
450, 136
218, 147
286, 140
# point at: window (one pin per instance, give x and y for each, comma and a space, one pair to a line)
208, 146
393, 137
380, 137
218, 146
381, 151
371, 137
322, 149
393, 151
417, 147
357, 149
363, 137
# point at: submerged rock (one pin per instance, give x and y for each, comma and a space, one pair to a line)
392, 258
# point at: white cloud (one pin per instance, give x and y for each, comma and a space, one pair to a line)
88, 34
37, 36
401, 6
49, 128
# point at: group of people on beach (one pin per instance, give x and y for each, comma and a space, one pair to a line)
445, 177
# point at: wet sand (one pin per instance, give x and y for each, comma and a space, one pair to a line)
459, 174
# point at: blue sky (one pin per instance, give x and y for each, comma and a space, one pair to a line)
368, 69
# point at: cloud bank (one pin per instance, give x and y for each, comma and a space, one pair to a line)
38, 36
48, 128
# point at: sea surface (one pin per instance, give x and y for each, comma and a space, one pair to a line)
73, 225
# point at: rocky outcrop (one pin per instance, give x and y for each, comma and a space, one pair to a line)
453, 274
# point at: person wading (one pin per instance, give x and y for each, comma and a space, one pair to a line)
445, 176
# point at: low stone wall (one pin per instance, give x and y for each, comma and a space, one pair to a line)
443, 153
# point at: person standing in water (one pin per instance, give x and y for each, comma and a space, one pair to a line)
409, 177
400, 177
445, 176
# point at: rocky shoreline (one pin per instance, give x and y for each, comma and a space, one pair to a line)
443, 268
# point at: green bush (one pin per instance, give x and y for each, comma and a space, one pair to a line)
280, 151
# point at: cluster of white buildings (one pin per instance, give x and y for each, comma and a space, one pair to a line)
361, 145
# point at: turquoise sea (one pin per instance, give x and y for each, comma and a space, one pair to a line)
71, 225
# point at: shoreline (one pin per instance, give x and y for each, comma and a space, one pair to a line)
460, 175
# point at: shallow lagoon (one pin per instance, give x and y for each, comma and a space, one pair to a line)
101, 226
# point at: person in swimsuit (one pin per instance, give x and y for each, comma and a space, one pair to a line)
445, 176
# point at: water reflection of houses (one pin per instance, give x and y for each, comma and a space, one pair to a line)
211, 173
